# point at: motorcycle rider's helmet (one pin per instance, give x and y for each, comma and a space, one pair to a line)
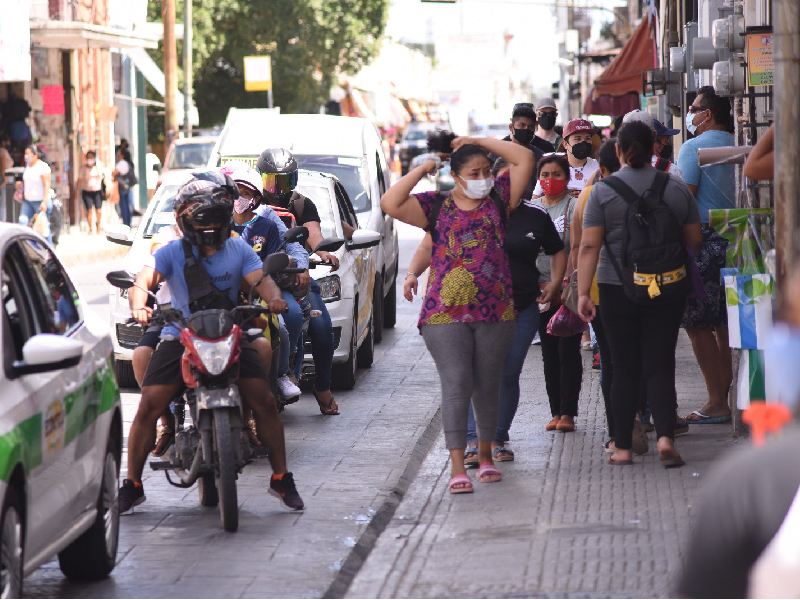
206, 199
278, 170
243, 175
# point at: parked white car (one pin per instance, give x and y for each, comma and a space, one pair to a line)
348, 291
60, 421
347, 147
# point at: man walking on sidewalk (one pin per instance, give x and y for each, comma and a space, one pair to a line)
706, 320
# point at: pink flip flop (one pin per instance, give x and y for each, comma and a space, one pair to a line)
464, 482
488, 474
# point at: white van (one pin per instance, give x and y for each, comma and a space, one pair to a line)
347, 147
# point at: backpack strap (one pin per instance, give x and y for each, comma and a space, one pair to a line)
202, 291
296, 205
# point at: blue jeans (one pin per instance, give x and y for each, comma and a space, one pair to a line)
527, 325
30, 208
320, 330
293, 319
125, 200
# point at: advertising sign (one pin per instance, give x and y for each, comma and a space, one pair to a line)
257, 73
15, 41
760, 64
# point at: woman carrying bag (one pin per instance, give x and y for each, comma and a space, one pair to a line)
35, 190
126, 179
468, 316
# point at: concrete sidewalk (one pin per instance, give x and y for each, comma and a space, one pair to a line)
76, 247
563, 523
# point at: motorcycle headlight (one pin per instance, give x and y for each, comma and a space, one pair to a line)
330, 288
214, 355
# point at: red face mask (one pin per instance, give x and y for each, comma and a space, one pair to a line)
553, 187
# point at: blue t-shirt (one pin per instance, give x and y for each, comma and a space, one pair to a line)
261, 234
226, 268
716, 185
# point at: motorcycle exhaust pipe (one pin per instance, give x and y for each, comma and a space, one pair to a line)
189, 478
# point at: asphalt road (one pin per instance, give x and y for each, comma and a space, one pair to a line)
350, 469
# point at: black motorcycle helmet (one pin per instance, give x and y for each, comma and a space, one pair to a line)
205, 200
278, 170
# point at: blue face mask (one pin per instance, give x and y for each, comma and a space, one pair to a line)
690, 126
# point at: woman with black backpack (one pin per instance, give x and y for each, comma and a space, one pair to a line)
643, 220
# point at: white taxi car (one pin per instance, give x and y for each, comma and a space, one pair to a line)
60, 421
348, 292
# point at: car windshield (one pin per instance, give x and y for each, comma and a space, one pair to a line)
350, 171
321, 198
416, 134
190, 156
162, 215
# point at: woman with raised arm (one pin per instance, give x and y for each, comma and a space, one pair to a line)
468, 316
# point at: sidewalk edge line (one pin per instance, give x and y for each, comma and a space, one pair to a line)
382, 517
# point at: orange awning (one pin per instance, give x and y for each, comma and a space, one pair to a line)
624, 74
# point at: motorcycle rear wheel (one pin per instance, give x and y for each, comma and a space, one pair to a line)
226, 470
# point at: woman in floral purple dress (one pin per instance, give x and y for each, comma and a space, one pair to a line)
468, 316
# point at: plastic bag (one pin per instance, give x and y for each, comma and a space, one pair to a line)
566, 323
39, 223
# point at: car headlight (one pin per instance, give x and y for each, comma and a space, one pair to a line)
214, 355
330, 288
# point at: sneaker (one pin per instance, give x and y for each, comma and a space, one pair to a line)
596, 361
285, 491
536, 339
130, 495
287, 388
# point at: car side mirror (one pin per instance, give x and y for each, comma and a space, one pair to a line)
276, 262
331, 244
120, 279
46, 352
296, 234
364, 239
119, 234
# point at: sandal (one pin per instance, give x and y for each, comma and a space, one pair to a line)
461, 484
502, 454
471, 456
488, 474
330, 409
552, 425
670, 458
608, 448
165, 439
681, 426
619, 462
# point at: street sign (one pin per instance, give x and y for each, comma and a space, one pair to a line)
760, 63
257, 73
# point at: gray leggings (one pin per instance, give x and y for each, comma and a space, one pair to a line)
469, 358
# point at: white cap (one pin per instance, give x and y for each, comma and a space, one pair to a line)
641, 116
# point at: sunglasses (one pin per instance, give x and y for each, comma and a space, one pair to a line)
697, 109
279, 183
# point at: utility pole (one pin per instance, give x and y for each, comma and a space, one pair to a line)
786, 21
170, 67
187, 65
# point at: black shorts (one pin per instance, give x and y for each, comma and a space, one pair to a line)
151, 337
165, 364
92, 199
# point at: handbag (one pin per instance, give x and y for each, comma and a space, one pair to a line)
570, 295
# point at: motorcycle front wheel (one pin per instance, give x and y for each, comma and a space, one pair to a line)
226, 470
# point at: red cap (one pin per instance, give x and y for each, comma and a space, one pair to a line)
577, 125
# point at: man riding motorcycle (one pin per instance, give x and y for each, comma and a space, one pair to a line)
203, 211
278, 169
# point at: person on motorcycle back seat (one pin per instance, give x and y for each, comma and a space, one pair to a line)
264, 237
278, 170
203, 211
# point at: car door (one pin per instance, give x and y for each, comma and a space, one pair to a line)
50, 459
71, 417
363, 261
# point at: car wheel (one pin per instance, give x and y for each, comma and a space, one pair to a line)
366, 353
93, 555
343, 375
11, 546
390, 305
377, 309
125, 377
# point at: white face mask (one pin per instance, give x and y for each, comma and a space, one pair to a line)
90, 162
477, 189
690, 126
241, 205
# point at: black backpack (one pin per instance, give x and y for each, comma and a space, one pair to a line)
439, 201
653, 268
203, 294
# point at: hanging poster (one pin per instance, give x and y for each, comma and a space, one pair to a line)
53, 99
760, 64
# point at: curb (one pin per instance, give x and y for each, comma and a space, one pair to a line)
84, 258
383, 516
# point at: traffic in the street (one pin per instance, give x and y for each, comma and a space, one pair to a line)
399, 298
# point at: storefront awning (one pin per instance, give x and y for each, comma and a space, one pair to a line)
74, 35
610, 105
624, 74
